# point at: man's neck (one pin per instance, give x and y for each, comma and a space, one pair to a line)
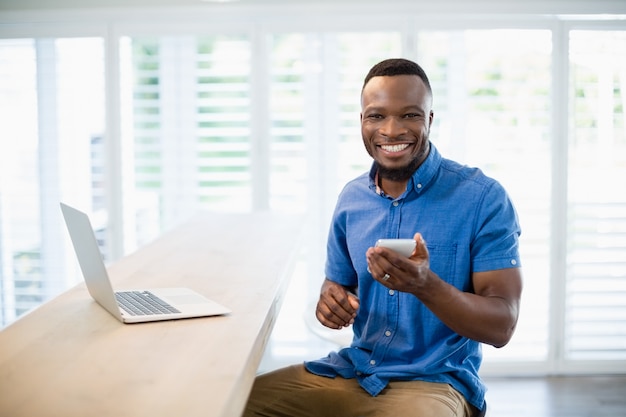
392, 188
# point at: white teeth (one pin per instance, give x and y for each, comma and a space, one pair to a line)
395, 148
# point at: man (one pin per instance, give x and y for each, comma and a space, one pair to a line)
418, 322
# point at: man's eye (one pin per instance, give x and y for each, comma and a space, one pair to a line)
411, 115
375, 116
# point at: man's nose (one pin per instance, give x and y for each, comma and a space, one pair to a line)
393, 127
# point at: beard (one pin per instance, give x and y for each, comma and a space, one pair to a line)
400, 174
405, 172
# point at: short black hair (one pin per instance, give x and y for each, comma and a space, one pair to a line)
397, 66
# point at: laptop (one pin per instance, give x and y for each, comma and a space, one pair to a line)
135, 306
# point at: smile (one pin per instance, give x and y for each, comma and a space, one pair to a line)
395, 148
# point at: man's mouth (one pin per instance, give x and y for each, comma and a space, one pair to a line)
394, 148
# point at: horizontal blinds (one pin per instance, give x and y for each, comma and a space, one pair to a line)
49, 153
21, 282
291, 86
191, 116
146, 114
595, 326
223, 122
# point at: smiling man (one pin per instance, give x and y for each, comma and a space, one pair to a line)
418, 322
395, 123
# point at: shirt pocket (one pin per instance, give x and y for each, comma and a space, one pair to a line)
443, 263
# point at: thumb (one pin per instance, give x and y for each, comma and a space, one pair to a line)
421, 251
354, 301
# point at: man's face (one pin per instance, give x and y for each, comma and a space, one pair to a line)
395, 122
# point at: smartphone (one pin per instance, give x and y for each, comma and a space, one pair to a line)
404, 247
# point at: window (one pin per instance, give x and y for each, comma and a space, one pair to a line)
190, 129
50, 151
595, 285
267, 118
290, 73
492, 110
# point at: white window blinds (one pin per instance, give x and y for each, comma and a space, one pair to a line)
191, 126
52, 110
595, 292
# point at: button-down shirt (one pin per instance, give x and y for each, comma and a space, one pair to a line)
469, 225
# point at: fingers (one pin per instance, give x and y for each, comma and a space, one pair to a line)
394, 270
384, 263
333, 315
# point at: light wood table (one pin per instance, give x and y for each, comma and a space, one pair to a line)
72, 358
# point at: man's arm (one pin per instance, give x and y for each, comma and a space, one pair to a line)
488, 315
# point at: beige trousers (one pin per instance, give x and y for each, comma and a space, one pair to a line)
295, 392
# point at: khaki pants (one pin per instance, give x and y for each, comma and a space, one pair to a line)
295, 392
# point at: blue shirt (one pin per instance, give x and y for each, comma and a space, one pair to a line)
469, 225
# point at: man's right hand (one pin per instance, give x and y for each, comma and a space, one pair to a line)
337, 306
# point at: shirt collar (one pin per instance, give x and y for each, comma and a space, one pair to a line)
420, 179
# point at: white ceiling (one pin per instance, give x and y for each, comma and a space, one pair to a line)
458, 6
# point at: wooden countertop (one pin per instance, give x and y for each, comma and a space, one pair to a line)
72, 358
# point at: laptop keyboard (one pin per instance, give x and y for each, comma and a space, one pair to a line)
141, 303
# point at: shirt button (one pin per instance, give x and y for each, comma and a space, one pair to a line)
387, 333
419, 185
395, 204
372, 362
359, 373
513, 262
391, 292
